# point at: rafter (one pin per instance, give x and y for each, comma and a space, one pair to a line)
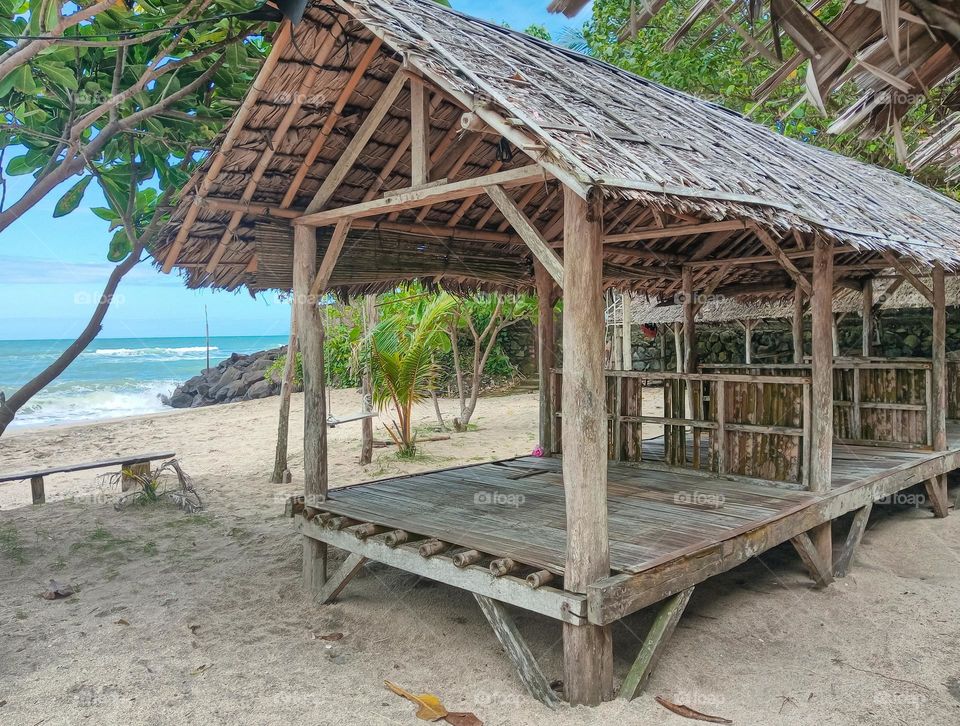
781, 257
334, 248
528, 233
358, 143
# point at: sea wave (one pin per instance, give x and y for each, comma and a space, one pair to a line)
72, 403
189, 351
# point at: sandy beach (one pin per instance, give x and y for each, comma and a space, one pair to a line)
201, 619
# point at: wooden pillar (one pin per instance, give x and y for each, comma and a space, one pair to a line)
678, 346
627, 340
689, 327
821, 413
587, 649
281, 472
939, 376
311, 333
798, 325
748, 341
366, 385
867, 318
545, 353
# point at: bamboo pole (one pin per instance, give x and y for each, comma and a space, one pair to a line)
369, 323
587, 649
627, 322
545, 356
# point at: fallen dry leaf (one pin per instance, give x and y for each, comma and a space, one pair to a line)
201, 669
430, 708
462, 719
121, 621
688, 712
57, 590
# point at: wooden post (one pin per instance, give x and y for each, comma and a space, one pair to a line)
678, 346
545, 353
689, 343
587, 649
867, 318
419, 132
626, 320
281, 472
937, 487
311, 332
366, 385
821, 415
748, 341
798, 325
36, 490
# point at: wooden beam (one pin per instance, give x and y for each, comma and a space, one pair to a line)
517, 650
331, 256
341, 578
820, 570
679, 230
689, 323
655, 643
797, 325
546, 353
311, 333
841, 564
867, 315
358, 143
936, 488
938, 380
587, 649
908, 275
413, 198
419, 131
782, 259
528, 233
626, 323
821, 413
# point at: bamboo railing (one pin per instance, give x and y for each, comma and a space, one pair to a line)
877, 401
746, 425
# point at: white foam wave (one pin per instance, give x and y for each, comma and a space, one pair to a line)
189, 351
75, 403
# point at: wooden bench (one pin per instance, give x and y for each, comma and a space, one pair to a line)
134, 464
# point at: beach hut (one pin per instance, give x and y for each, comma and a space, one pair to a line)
391, 140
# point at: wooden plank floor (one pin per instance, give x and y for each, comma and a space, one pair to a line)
516, 508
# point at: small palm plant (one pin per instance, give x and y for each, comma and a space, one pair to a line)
402, 363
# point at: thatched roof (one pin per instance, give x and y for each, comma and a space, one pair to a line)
892, 53
888, 295
683, 180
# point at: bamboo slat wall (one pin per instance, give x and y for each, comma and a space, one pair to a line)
874, 401
743, 425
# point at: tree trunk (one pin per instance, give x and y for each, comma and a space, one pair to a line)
10, 406
369, 323
281, 472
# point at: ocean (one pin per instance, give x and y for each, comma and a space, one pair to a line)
113, 377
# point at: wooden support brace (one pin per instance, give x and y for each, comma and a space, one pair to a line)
782, 259
843, 560
530, 234
340, 579
819, 570
517, 650
36, 489
936, 489
909, 276
655, 643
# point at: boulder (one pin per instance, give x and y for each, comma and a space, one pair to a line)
261, 389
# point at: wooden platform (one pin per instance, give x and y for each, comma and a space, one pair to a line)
669, 529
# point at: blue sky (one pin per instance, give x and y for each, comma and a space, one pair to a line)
54, 268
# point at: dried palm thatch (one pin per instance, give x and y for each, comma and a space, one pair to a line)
888, 293
892, 51
683, 181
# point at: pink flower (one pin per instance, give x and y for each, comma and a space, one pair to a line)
538, 452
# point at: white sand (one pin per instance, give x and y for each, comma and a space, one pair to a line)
757, 645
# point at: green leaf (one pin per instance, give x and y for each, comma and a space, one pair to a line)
20, 165
71, 200
60, 75
105, 213
120, 246
19, 78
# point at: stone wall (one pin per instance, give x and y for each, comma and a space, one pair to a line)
900, 334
